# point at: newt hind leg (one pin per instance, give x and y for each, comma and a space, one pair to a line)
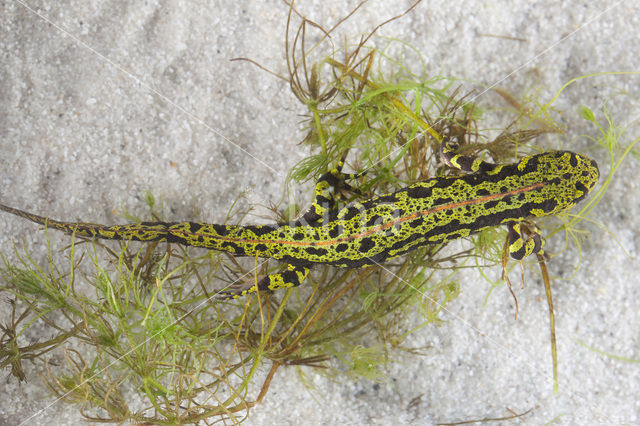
466, 163
293, 276
324, 198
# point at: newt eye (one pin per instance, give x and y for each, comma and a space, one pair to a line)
586, 176
595, 171
591, 173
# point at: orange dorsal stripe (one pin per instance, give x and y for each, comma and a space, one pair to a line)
380, 227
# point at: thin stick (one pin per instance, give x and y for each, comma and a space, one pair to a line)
552, 319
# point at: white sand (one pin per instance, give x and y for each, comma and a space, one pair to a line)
110, 98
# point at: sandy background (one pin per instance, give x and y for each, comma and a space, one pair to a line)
101, 100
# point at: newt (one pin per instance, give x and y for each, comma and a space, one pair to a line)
368, 232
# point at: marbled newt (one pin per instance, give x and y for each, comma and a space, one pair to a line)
368, 232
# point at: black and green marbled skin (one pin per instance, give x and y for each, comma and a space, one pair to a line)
364, 233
